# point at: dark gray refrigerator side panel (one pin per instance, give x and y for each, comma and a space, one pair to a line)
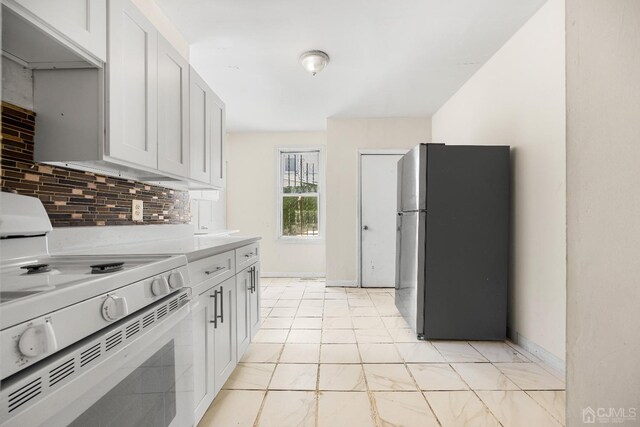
411, 179
466, 269
410, 252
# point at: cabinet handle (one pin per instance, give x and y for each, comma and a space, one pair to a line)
249, 255
221, 304
215, 309
215, 270
253, 279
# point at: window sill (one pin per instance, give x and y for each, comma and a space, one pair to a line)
301, 240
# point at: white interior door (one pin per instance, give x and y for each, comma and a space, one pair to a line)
378, 190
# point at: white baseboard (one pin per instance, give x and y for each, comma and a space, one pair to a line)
343, 283
281, 274
544, 355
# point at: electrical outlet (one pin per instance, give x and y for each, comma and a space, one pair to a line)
137, 210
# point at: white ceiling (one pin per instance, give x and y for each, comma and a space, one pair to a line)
389, 58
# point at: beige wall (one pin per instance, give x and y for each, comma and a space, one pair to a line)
517, 99
344, 138
251, 200
603, 207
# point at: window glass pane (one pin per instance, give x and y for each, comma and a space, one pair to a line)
299, 216
300, 171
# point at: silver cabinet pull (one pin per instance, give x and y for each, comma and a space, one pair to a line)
215, 307
214, 295
215, 270
249, 255
221, 304
253, 279
250, 273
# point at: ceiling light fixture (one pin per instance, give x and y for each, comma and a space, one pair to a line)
314, 61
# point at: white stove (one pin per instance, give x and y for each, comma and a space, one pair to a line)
41, 285
51, 305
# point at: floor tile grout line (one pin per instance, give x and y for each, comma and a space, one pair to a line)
545, 409
372, 402
405, 363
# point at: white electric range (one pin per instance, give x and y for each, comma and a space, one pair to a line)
80, 334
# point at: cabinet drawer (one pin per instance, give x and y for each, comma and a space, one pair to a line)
214, 269
247, 255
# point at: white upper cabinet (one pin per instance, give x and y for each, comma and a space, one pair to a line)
83, 22
217, 143
173, 110
201, 106
133, 82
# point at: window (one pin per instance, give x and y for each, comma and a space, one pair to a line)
299, 193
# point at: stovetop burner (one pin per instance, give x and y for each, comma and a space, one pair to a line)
107, 268
36, 268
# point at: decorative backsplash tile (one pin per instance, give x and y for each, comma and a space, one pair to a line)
76, 198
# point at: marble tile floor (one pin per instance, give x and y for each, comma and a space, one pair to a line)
345, 357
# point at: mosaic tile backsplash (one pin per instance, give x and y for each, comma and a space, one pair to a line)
76, 198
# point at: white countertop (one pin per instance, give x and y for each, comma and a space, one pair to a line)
193, 247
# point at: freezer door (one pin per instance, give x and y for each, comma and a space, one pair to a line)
410, 261
412, 178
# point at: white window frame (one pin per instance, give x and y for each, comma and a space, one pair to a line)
321, 196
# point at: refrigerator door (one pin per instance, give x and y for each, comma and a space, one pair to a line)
410, 262
412, 180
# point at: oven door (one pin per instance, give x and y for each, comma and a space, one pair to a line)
148, 382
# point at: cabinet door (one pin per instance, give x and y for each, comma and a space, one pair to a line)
132, 80
254, 302
83, 22
243, 290
203, 353
173, 110
217, 143
201, 105
225, 332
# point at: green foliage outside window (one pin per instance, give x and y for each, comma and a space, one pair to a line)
300, 216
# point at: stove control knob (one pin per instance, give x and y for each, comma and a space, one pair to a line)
160, 286
176, 280
113, 308
38, 340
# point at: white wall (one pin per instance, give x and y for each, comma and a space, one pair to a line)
603, 207
517, 99
344, 138
251, 200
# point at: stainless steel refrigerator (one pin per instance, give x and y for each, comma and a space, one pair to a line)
452, 241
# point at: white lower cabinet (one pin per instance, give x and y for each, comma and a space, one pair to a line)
255, 320
224, 332
243, 292
226, 317
203, 368
214, 342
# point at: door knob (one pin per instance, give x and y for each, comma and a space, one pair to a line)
366, 227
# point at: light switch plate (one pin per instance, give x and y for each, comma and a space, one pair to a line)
137, 210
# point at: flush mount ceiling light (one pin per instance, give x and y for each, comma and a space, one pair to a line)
314, 61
